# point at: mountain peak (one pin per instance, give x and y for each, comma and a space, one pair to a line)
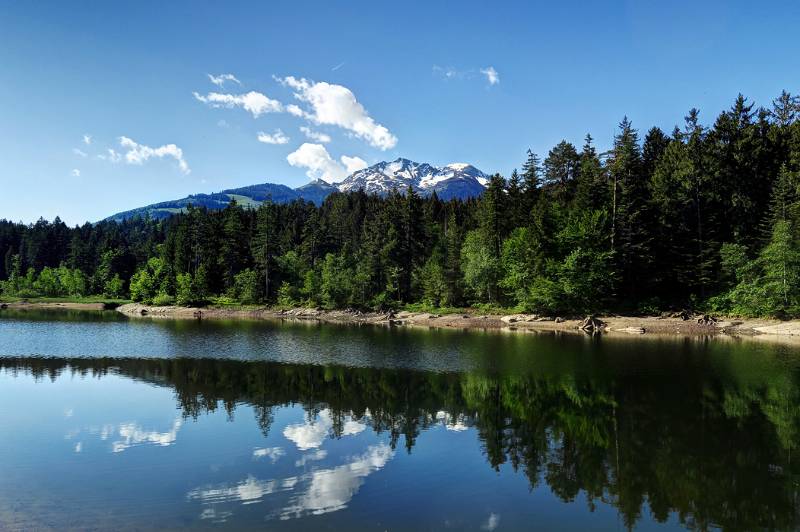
455, 180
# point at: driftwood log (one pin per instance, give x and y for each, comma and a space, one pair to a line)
591, 324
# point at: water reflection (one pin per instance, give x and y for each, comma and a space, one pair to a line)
318, 492
713, 448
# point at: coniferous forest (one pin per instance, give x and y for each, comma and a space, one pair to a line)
704, 217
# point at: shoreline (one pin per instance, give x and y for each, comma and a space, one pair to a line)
762, 329
612, 325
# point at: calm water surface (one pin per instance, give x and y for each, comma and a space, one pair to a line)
109, 423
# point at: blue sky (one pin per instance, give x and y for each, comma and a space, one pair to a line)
381, 79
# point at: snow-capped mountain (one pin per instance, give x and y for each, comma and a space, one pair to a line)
457, 180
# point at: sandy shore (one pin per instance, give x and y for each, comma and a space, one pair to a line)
24, 305
617, 325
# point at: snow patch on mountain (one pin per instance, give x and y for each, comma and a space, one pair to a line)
459, 180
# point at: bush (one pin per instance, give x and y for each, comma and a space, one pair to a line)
114, 288
246, 286
163, 299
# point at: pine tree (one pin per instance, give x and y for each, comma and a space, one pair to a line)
591, 188
560, 170
630, 231
531, 179
264, 243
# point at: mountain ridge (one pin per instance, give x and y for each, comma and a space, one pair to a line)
452, 181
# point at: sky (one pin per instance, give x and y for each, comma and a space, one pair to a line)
108, 106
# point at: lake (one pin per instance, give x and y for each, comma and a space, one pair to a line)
115, 424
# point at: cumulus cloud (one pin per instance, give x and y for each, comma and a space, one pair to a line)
87, 139
75, 172
220, 80
336, 105
139, 153
321, 165
491, 75
275, 138
79, 153
253, 102
315, 135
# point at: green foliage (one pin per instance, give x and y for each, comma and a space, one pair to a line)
191, 289
114, 287
480, 265
246, 287
50, 282
770, 284
337, 278
162, 300
704, 217
150, 280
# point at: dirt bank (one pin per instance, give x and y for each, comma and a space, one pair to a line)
25, 305
615, 325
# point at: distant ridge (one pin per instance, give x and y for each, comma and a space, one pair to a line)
453, 181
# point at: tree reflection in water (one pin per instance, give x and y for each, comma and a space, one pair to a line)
715, 450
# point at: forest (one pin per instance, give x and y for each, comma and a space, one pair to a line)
704, 217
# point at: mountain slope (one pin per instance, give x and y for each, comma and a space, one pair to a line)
456, 180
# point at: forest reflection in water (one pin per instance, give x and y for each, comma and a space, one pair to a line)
712, 445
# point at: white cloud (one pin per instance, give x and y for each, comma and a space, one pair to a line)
353, 164
87, 139
220, 80
253, 102
295, 110
330, 490
139, 153
310, 435
273, 453
275, 138
79, 152
223, 124
453, 73
321, 165
247, 491
337, 105
491, 522
75, 172
132, 434
315, 135
448, 72
319, 454
491, 75
112, 156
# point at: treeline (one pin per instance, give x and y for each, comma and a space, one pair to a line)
703, 217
